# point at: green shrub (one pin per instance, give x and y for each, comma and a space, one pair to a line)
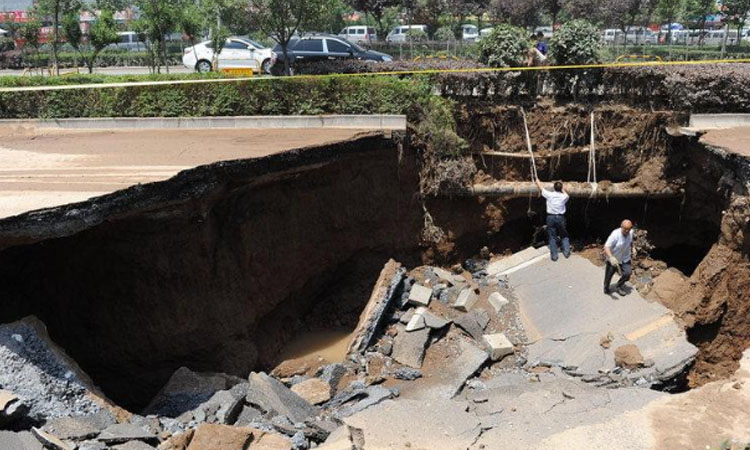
505, 46
445, 34
376, 95
417, 35
577, 42
7, 44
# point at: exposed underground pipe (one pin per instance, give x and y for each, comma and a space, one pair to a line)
525, 189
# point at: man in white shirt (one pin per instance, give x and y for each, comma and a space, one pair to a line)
556, 205
618, 248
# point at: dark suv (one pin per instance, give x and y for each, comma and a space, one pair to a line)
319, 47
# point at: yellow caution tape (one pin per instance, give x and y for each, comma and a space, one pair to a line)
388, 73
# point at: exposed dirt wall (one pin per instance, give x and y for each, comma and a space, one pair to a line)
715, 303
189, 278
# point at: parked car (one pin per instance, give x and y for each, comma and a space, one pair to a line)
400, 33
238, 53
359, 34
319, 47
128, 40
469, 32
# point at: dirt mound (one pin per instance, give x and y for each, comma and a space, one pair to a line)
715, 303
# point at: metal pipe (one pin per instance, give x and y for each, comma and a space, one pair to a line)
608, 190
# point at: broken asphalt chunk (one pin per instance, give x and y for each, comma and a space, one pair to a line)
272, 397
409, 348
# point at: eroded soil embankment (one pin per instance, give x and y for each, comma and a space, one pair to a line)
715, 301
215, 268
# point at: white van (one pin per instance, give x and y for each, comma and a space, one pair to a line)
716, 38
400, 33
359, 34
128, 40
613, 36
469, 32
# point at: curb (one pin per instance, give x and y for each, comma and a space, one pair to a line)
375, 122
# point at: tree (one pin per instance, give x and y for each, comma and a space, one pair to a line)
213, 11
553, 8
697, 12
102, 33
71, 30
30, 33
597, 11
519, 13
158, 19
377, 10
670, 11
56, 9
282, 19
736, 14
428, 12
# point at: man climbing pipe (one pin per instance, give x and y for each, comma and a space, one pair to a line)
618, 248
556, 201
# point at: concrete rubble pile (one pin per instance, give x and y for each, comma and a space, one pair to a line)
47, 401
452, 338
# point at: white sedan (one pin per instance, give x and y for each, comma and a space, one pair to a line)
238, 53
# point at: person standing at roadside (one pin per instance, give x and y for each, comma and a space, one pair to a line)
556, 227
619, 248
537, 55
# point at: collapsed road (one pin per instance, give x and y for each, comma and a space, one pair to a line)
154, 316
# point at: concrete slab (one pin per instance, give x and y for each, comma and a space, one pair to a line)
565, 314
714, 121
440, 424
517, 261
450, 362
409, 346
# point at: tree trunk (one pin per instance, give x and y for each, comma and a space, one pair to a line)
164, 54
724, 41
55, 36
287, 66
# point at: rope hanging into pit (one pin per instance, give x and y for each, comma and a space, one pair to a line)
534, 175
591, 177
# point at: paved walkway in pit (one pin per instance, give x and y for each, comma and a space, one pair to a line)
43, 168
566, 315
735, 140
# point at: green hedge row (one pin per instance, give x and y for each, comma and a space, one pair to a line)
15, 59
381, 95
10, 81
704, 88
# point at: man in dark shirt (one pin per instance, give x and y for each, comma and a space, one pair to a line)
538, 53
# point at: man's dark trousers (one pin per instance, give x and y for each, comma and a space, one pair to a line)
610, 270
556, 227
